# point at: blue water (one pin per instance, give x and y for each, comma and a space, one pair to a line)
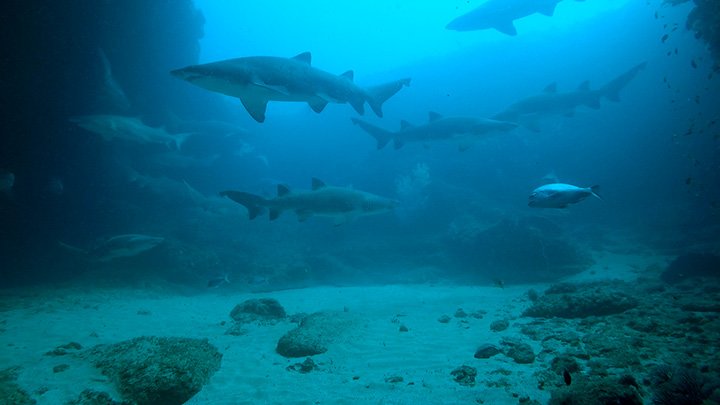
654, 153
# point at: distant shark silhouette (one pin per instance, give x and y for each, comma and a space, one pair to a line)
529, 110
465, 129
500, 15
340, 203
118, 246
255, 80
131, 129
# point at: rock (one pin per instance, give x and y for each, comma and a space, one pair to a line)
444, 319
90, 397
691, 265
60, 368
305, 367
592, 299
394, 379
486, 351
314, 334
521, 353
403, 328
460, 313
499, 326
464, 375
597, 391
64, 349
260, 310
10, 391
157, 370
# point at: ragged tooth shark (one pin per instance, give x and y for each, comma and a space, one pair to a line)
464, 129
530, 110
560, 195
131, 129
340, 203
500, 15
118, 246
256, 80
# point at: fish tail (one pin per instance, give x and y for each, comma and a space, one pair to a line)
595, 190
377, 95
253, 203
381, 136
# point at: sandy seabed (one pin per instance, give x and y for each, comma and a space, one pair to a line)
355, 369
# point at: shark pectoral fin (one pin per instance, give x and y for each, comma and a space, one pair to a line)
317, 104
303, 215
255, 107
317, 184
506, 27
398, 143
274, 213
358, 105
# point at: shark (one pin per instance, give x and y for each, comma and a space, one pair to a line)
500, 15
550, 102
131, 129
437, 128
256, 80
119, 246
560, 195
342, 204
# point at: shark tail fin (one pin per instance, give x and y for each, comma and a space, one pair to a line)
377, 95
179, 140
381, 136
253, 203
611, 90
595, 190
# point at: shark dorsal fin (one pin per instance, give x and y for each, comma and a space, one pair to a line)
304, 57
550, 88
282, 190
405, 125
317, 183
584, 86
433, 116
348, 75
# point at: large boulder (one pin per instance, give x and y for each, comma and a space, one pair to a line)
158, 370
314, 334
582, 300
260, 310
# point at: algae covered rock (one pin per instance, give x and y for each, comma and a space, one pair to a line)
314, 334
593, 299
158, 370
262, 310
10, 392
598, 391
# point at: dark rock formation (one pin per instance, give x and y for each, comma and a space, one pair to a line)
691, 265
157, 370
599, 391
527, 250
521, 352
594, 299
485, 351
10, 392
464, 375
499, 325
261, 310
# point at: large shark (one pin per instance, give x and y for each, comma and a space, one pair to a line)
340, 203
500, 14
255, 80
118, 246
465, 129
529, 110
132, 129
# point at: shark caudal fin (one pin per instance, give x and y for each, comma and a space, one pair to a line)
253, 203
611, 90
377, 95
595, 190
381, 136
